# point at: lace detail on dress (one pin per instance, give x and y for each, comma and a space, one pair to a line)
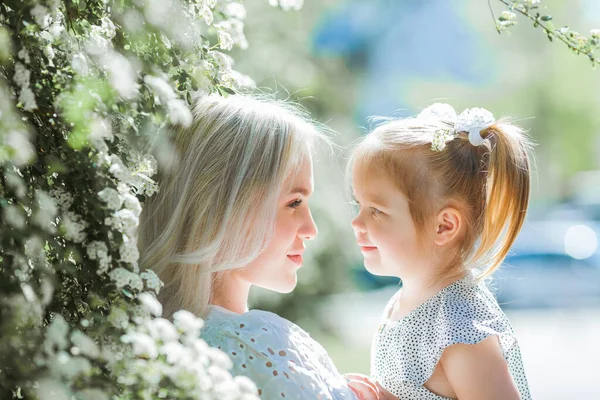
282, 359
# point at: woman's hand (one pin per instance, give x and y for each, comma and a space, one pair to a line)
366, 388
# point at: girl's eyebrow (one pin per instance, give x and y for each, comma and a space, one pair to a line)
372, 199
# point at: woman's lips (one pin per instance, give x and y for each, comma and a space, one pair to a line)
366, 249
296, 259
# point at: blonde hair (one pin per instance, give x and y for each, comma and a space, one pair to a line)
488, 184
216, 206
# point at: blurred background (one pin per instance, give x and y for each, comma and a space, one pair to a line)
346, 60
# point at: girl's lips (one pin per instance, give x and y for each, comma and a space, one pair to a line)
296, 259
366, 249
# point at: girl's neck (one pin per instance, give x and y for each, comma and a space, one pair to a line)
418, 289
231, 293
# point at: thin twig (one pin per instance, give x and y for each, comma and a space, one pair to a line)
549, 32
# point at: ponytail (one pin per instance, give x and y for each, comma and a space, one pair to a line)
507, 193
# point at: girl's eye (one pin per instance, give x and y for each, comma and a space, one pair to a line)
295, 204
375, 211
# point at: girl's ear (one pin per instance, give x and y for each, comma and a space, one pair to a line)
448, 225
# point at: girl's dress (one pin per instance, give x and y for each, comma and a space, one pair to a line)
278, 356
405, 352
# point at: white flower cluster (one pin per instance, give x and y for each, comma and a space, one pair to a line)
63, 198
175, 350
74, 226
179, 112
22, 79
121, 277
231, 30
18, 150
287, 5
98, 250
45, 215
152, 280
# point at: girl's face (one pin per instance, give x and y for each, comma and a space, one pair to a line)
275, 268
384, 228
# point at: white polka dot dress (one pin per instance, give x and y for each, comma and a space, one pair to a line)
405, 352
278, 356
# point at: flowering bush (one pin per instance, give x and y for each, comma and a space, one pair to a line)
87, 88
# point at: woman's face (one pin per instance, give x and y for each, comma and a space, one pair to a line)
275, 268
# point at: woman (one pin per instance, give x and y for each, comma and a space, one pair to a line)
232, 212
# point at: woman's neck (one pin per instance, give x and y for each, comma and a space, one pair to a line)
231, 293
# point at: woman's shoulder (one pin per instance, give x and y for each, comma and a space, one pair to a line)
280, 357
254, 323
261, 331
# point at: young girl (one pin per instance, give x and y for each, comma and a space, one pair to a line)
442, 198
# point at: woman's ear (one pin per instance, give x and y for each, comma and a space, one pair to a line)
448, 225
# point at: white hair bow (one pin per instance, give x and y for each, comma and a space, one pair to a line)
471, 120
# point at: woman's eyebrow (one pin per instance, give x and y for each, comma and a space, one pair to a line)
302, 190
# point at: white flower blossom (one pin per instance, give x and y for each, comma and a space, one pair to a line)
118, 318
150, 303
241, 81
86, 345
222, 61
132, 203
79, 64
188, 323
111, 197
41, 15
174, 351
14, 216
219, 359
135, 282
34, 248
143, 345
120, 276
23, 54
74, 226
56, 335
123, 220
57, 26
15, 182
161, 330
225, 39
22, 75
235, 10
179, 113
122, 76
23, 152
62, 198
207, 14
152, 280
97, 250
49, 53
287, 5
595, 33
70, 367
27, 98
161, 87
108, 28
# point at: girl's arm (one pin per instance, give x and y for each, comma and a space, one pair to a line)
479, 371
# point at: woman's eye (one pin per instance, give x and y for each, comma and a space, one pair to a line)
295, 203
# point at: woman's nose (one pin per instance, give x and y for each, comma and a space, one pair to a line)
308, 229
